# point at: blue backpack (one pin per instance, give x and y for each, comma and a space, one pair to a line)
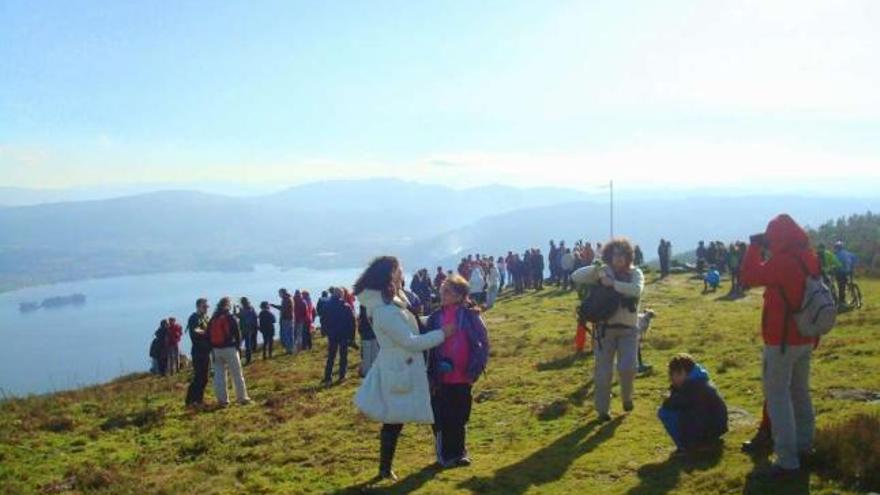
479, 340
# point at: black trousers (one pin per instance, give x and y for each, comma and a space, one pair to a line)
306, 338
842, 280
201, 362
334, 346
452, 410
268, 341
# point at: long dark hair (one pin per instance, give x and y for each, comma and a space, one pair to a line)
378, 276
224, 301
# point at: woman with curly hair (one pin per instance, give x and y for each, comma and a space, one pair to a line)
618, 336
395, 390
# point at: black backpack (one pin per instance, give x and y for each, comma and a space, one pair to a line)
599, 304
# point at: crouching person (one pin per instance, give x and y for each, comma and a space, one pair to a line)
453, 368
694, 414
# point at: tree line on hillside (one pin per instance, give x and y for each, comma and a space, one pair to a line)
860, 232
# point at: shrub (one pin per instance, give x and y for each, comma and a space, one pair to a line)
58, 424
727, 363
89, 477
192, 450
850, 451
145, 418
553, 410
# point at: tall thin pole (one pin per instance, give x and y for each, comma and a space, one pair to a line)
611, 206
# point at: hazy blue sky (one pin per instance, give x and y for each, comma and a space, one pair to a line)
532, 92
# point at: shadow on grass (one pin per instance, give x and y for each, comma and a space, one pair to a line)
659, 478
730, 296
758, 483
546, 465
548, 293
579, 396
563, 362
406, 485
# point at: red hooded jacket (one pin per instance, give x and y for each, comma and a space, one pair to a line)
175, 331
300, 309
787, 243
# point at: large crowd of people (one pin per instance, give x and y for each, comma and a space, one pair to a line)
424, 344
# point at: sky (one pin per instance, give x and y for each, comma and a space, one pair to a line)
462, 93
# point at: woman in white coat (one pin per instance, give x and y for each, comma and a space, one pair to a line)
493, 282
478, 284
395, 390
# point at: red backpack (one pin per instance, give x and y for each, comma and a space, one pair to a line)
218, 331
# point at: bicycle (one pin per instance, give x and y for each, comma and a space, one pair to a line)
832, 286
853, 293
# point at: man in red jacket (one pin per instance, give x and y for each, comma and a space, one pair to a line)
786, 360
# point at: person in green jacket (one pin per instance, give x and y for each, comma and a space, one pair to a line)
828, 263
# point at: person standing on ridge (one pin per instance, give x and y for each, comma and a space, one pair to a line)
339, 327
197, 328
787, 353
250, 326
175, 332
286, 318
309, 322
618, 336
453, 368
225, 337
267, 329
395, 390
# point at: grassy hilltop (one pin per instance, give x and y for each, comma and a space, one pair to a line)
533, 429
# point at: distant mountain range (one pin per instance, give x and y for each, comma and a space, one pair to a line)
328, 224
344, 223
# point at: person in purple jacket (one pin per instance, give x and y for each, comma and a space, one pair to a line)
453, 368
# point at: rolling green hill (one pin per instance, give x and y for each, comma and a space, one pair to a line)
533, 429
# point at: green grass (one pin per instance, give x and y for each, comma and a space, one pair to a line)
533, 429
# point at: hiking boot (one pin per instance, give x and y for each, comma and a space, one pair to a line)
245, 402
645, 368
463, 462
628, 406
387, 475
604, 418
808, 458
762, 442
387, 446
777, 473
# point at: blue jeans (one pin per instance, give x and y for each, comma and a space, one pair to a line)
669, 418
286, 335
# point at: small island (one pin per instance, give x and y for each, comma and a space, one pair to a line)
53, 302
